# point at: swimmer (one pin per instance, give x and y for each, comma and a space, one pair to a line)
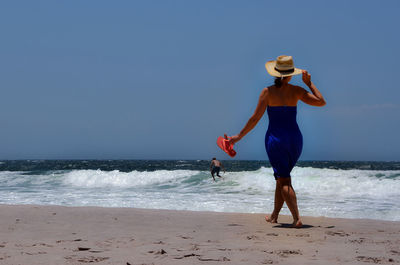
215, 167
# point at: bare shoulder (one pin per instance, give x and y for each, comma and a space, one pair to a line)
265, 91
299, 90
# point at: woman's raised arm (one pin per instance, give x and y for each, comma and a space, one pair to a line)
314, 99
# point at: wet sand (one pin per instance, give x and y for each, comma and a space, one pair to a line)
32, 234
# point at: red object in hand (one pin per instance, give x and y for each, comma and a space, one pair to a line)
226, 146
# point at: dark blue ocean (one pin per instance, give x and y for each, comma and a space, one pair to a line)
324, 188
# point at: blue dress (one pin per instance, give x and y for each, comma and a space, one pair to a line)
283, 140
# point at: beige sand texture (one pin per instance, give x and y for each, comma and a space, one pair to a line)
79, 235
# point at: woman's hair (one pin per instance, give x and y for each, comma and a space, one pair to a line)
278, 81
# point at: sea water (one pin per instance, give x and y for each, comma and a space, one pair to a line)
324, 188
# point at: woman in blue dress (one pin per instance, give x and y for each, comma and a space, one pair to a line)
283, 140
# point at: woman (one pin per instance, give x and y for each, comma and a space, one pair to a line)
283, 140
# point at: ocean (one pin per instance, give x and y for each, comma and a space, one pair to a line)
324, 188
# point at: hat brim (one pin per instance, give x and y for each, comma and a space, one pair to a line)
270, 66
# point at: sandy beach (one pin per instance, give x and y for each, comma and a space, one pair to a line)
32, 234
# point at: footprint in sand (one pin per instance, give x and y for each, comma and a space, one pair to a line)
213, 241
224, 249
286, 252
33, 245
303, 235
369, 259
185, 237
83, 248
42, 244
140, 263
212, 259
91, 259
358, 241
267, 261
34, 253
187, 256
88, 259
234, 225
337, 233
72, 240
252, 237
161, 252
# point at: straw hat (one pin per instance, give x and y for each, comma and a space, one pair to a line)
283, 66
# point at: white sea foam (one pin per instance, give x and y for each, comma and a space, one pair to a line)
98, 178
320, 192
347, 183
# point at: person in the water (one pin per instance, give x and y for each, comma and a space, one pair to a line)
283, 140
215, 167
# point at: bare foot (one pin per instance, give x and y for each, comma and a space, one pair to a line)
297, 224
271, 219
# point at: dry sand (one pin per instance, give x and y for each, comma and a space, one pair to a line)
77, 235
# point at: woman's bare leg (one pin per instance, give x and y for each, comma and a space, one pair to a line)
278, 203
289, 196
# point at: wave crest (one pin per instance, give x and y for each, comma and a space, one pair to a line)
115, 178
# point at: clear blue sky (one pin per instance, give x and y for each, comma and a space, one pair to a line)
162, 79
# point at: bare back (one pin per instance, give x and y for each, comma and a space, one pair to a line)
216, 163
286, 95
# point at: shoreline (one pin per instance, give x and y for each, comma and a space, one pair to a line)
35, 234
286, 216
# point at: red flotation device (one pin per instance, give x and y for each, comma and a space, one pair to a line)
226, 146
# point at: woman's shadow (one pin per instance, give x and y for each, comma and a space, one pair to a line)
286, 225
